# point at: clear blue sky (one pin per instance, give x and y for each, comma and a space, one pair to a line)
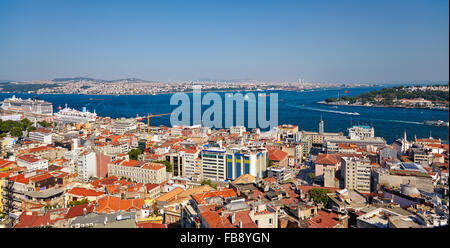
327, 41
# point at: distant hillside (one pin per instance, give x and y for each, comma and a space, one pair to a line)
72, 79
388, 95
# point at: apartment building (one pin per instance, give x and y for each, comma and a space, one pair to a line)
190, 162
356, 174
41, 135
213, 164
138, 171
279, 173
32, 162
86, 165
121, 127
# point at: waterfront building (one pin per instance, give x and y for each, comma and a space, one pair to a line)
361, 132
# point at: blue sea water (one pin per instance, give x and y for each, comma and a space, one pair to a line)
298, 108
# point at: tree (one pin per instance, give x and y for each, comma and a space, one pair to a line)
312, 176
134, 154
168, 165
319, 195
209, 182
16, 132
26, 124
45, 124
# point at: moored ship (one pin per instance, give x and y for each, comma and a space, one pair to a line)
69, 115
33, 106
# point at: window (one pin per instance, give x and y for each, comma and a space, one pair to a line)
270, 221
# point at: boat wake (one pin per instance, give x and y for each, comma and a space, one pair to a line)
326, 110
400, 121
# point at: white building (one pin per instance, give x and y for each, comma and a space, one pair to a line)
41, 135
213, 164
356, 174
86, 165
239, 130
361, 132
190, 163
280, 173
123, 126
141, 172
32, 162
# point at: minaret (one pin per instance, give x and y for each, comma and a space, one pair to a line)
404, 136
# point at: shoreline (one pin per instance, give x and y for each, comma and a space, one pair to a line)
173, 92
376, 106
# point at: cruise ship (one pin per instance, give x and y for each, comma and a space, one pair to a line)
34, 106
70, 115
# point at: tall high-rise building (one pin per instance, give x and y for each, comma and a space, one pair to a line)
213, 164
356, 174
321, 126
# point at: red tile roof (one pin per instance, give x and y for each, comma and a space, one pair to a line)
109, 204
226, 193
324, 220
30, 158
327, 159
82, 192
79, 210
277, 154
150, 225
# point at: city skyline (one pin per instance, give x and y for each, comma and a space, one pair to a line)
349, 41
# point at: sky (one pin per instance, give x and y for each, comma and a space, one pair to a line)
169, 40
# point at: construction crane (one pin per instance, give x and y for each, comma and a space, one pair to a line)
148, 121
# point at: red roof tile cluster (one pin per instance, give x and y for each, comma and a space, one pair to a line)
109, 204
37, 219
226, 193
150, 225
30, 158
104, 181
324, 220
82, 192
80, 210
277, 155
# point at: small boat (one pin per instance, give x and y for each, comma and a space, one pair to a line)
96, 99
438, 123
